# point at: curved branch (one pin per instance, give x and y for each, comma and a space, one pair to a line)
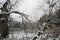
16, 12
24, 15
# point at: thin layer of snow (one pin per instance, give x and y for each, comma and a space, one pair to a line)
21, 34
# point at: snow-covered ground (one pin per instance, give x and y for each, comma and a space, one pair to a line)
22, 35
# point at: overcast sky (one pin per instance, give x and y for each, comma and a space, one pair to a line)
34, 8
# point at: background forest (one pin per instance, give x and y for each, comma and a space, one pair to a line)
30, 19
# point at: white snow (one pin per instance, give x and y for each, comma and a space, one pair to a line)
21, 34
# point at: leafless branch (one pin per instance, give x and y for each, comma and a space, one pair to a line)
12, 5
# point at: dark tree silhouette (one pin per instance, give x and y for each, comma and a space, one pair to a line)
4, 20
5, 14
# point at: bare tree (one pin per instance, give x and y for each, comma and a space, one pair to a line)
6, 11
51, 21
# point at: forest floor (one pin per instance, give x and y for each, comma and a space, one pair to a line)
22, 35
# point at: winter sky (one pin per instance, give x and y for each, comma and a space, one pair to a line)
34, 8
